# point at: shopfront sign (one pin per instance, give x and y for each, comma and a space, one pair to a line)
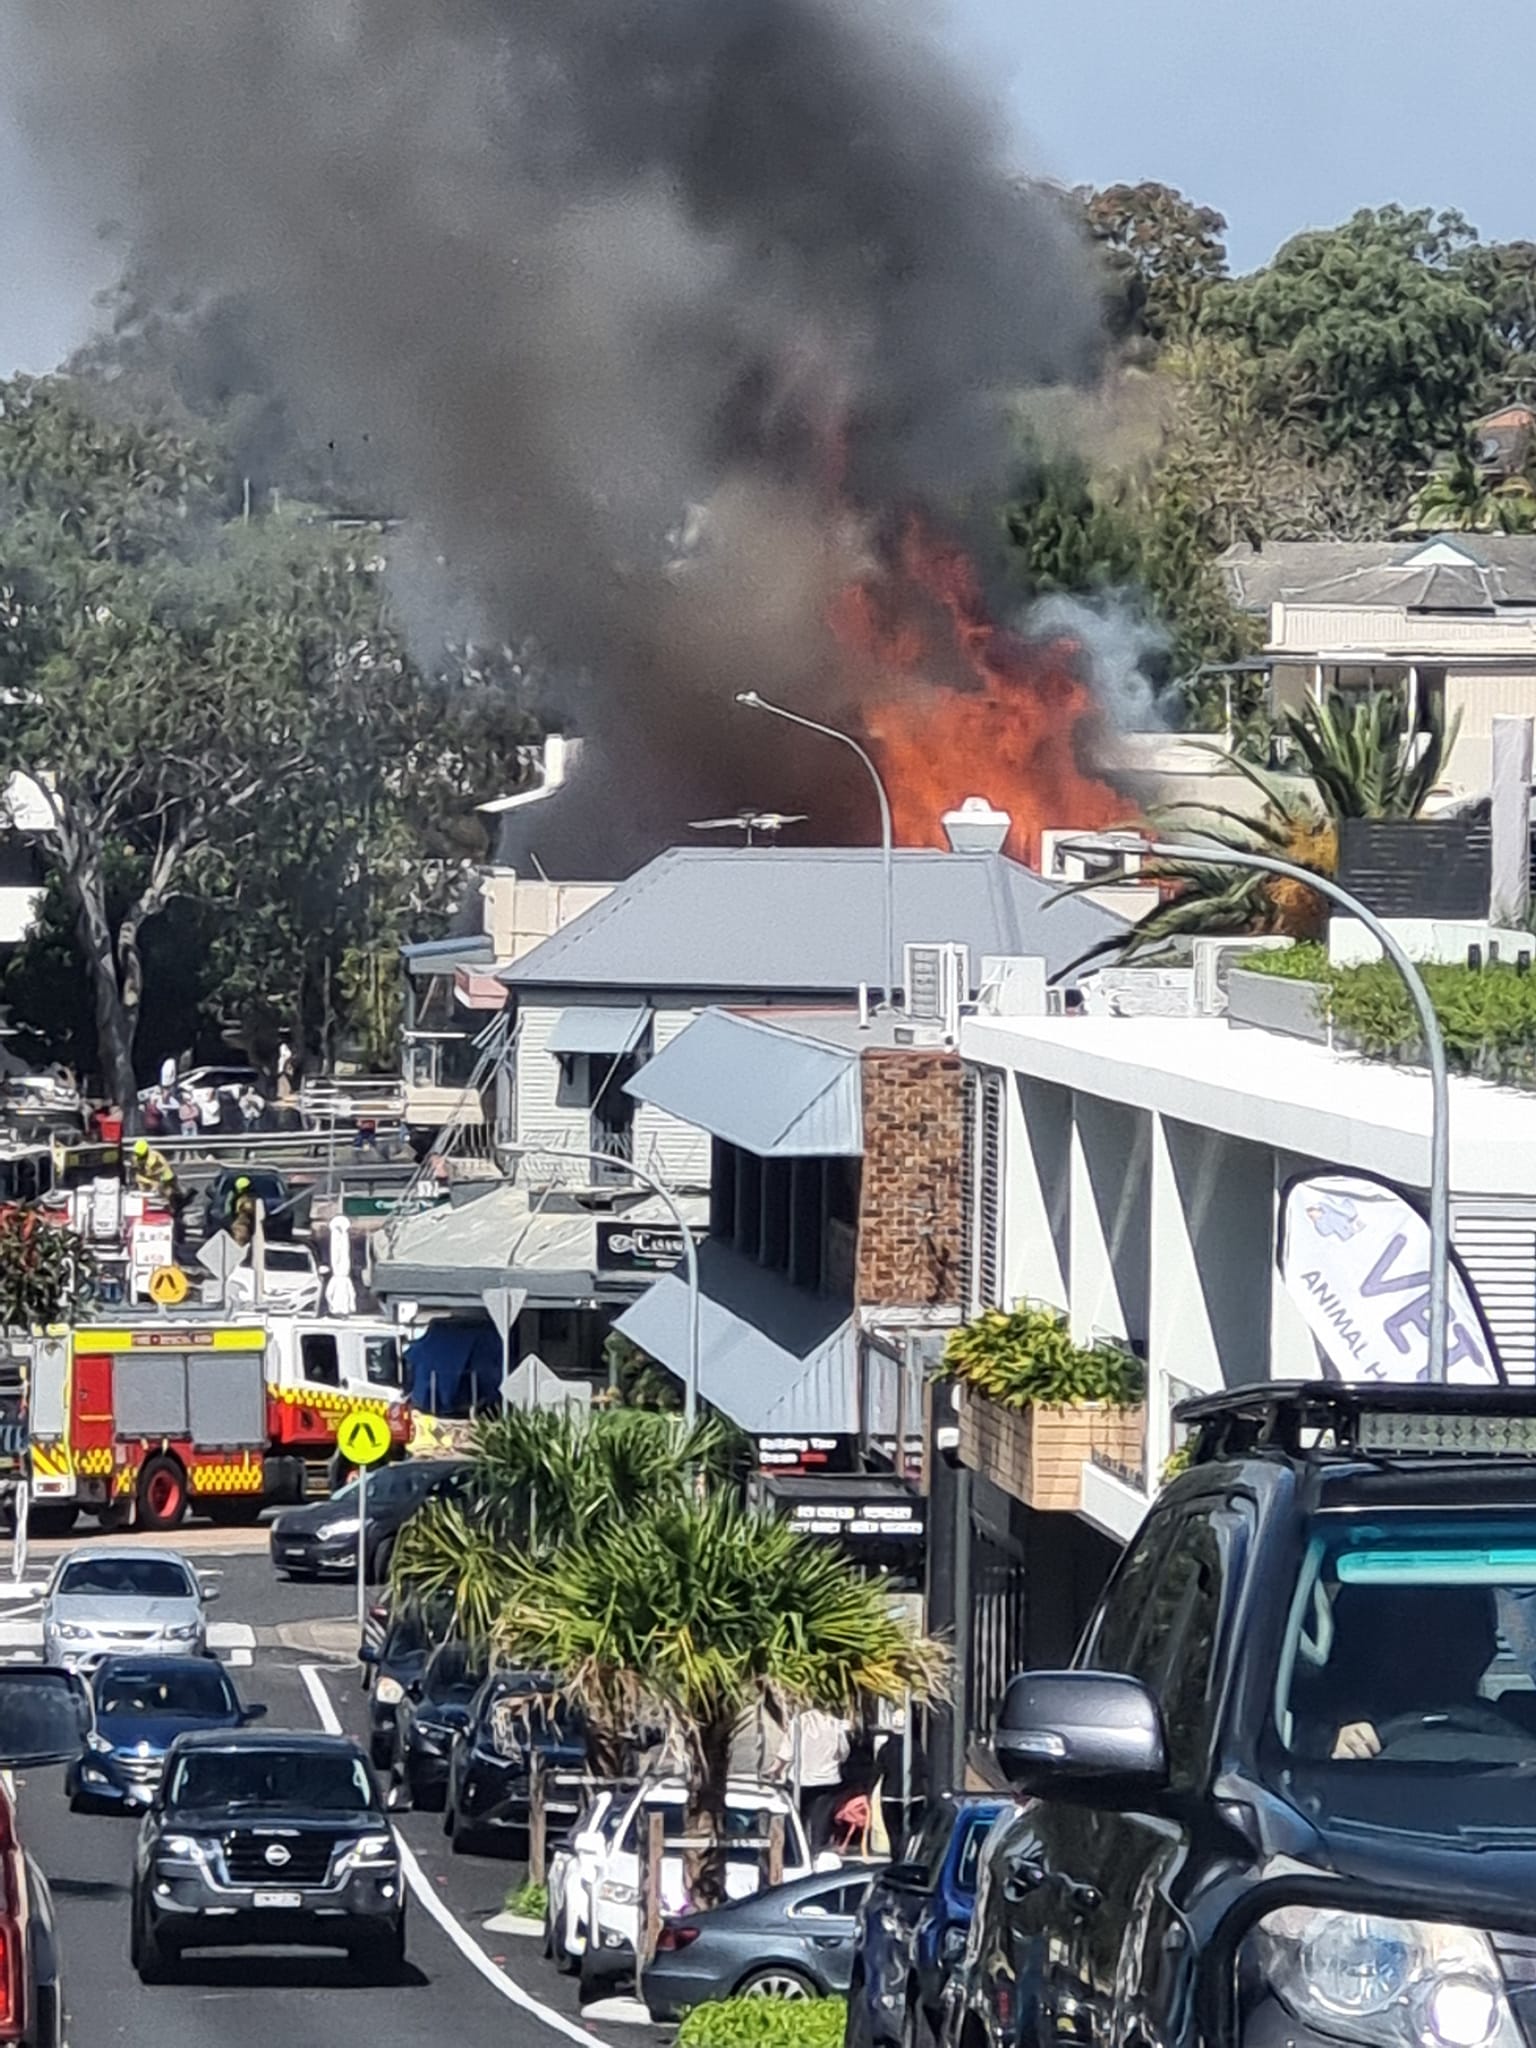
799, 1454
1354, 1257
857, 1520
640, 1247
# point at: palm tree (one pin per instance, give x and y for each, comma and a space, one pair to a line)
697, 1611
537, 1481
1460, 499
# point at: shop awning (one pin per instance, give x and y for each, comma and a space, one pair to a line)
771, 1356
758, 1086
591, 1028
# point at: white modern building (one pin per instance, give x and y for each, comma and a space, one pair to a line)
1130, 1170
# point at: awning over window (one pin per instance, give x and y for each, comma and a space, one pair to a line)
771, 1356
755, 1085
590, 1028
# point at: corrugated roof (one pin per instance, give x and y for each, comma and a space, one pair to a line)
779, 1095
804, 918
592, 1027
771, 1356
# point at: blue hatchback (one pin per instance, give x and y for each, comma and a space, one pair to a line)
142, 1705
914, 1923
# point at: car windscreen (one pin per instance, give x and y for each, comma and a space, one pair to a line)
127, 1578
454, 1675
974, 1833
189, 1692
278, 1780
1405, 1695
285, 1258
394, 1484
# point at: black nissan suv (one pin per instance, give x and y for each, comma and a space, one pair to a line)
257, 1838
1286, 1796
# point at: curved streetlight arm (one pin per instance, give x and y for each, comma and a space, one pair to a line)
690, 1249
1197, 855
754, 702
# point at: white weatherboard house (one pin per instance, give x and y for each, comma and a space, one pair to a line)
1130, 1170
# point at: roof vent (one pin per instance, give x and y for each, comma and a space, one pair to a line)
976, 827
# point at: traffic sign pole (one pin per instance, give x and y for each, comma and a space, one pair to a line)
362, 1435
362, 1550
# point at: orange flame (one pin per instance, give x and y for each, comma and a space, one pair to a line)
954, 706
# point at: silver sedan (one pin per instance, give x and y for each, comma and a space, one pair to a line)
106, 1603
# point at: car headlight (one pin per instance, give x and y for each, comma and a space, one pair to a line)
389, 1692
373, 1849
70, 1631
184, 1632
99, 1743
179, 1849
346, 1526
1399, 1983
615, 1894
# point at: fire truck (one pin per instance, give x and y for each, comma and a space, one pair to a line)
142, 1418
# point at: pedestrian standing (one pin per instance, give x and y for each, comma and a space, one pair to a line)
811, 1755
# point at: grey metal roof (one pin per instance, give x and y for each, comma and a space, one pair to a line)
778, 1094
804, 918
1501, 567
593, 1027
430, 957
771, 1356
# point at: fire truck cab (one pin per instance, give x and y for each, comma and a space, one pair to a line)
146, 1417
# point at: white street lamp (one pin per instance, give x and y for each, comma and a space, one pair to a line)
754, 702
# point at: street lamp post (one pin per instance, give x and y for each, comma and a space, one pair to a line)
1434, 1046
754, 702
690, 1249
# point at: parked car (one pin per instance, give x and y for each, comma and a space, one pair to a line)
490, 1768
786, 1941
142, 1603
281, 1204
141, 1705
614, 1908
1287, 1791
913, 1927
267, 1839
435, 1708
319, 1540
572, 1871
45, 1713
398, 1662
290, 1279
980, 2002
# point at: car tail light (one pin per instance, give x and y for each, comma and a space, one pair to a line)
13, 1893
671, 1939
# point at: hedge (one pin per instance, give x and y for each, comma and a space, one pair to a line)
765, 2023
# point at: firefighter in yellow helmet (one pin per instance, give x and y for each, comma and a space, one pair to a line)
153, 1173
242, 1222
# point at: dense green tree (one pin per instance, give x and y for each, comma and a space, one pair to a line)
1162, 251
1460, 498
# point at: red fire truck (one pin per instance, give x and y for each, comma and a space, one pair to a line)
143, 1418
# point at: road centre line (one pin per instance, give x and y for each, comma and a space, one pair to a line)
314, 1684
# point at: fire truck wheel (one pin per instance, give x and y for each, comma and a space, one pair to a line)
52, 1518
162, 1494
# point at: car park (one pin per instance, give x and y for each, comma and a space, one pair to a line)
1287, 1791
613, 1909
434, 1710
142, 1603
514, 1716
267, 1839
320, 1539
914, 1922
140, 1705
786, 1941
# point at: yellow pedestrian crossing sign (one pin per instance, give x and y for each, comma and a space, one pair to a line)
168, 1286
362, 1436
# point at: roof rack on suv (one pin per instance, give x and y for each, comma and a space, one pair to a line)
1323, 1418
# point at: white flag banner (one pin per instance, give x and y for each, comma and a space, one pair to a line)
1354, 1257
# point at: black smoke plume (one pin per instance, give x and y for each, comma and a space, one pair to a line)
628, 303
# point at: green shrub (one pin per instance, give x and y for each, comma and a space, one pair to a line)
765, 2023
1024, 1357
1306, 961
529, 1900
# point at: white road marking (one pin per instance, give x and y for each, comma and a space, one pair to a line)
426, 1897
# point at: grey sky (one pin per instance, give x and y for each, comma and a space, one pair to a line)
1282, 113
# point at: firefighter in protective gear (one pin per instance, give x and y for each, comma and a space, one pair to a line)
153, 1173
242, 1223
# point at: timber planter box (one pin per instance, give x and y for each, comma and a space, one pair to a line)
1037, 1454
1272, 1002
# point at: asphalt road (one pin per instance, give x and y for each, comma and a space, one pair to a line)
288, 1999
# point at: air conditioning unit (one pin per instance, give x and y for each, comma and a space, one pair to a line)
1213, 960
937, 980
1114, 856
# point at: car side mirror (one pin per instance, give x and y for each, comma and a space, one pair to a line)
367, 1654
257, 1711
826, 1861
45, 1716
208, 1588
905, 1877
1092, 1737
